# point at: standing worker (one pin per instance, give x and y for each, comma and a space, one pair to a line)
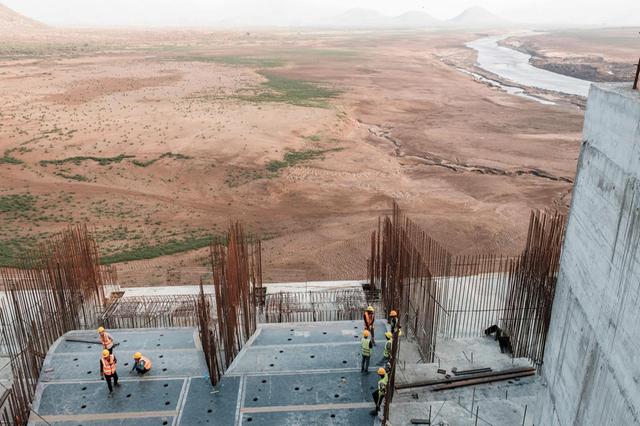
380, 393
369, 320
394, 322
366, 345
108, 369
141, 364
106, 340
386, 354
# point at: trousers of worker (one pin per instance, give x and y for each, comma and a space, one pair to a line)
364, 367
111, 377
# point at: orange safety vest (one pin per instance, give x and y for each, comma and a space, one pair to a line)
147, 363
108, 365
368, 319
107, 341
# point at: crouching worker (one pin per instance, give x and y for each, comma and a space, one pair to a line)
108, 369
141, 364
380, 393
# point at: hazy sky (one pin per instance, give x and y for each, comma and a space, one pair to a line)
284, 12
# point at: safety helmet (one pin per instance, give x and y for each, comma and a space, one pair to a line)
365, 333
388, 335
370, 308
100, 329
382, 371
105, 353
393, 314
137, 355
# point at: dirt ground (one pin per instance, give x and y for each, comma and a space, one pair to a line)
604, 54
160, 139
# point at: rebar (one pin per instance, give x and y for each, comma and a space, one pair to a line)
58, 287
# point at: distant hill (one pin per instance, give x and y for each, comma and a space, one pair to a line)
477, 17
13, 23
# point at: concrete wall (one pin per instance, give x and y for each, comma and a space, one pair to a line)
592, 359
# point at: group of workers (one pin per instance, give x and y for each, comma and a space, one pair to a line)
108, 361
368, 342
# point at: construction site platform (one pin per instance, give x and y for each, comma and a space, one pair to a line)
286, 374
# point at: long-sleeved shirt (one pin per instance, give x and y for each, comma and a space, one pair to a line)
139, 363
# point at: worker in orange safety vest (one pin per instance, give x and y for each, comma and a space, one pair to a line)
108, 369
141, 364
369, 320
105, 339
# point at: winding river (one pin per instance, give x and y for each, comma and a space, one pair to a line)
514, 66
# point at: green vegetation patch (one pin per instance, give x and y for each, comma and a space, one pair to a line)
17, 203
162, 249
7, 158
11, 249
165, 155
236, 60
292, 158
291, 91
103, 161
79, 178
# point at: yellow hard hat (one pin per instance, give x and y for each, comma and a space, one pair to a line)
388, 335
382, 371
370, 308
100, 329
365, 333
105, 353
393, 314
137, 355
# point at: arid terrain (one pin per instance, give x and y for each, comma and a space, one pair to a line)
607, 54
159, 139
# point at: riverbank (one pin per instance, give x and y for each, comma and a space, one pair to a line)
599, 55
467, 61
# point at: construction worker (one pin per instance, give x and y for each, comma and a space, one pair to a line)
386, 354
106, 340
380, 393
141, 364
366, 345
108, 369
369, 322
394, 322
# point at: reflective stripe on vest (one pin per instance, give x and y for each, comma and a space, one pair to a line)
366, 350
382, 384
147, 363
107, 341
108, 365
387, 349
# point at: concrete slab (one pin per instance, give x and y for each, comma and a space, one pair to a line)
304, 389
349, 416
70, 390
287, 374
206, 405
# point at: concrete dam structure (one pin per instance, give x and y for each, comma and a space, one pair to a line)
591, 366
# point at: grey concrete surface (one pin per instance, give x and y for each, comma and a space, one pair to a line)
591, 362
287, 374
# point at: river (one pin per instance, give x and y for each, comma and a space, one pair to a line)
514, 66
